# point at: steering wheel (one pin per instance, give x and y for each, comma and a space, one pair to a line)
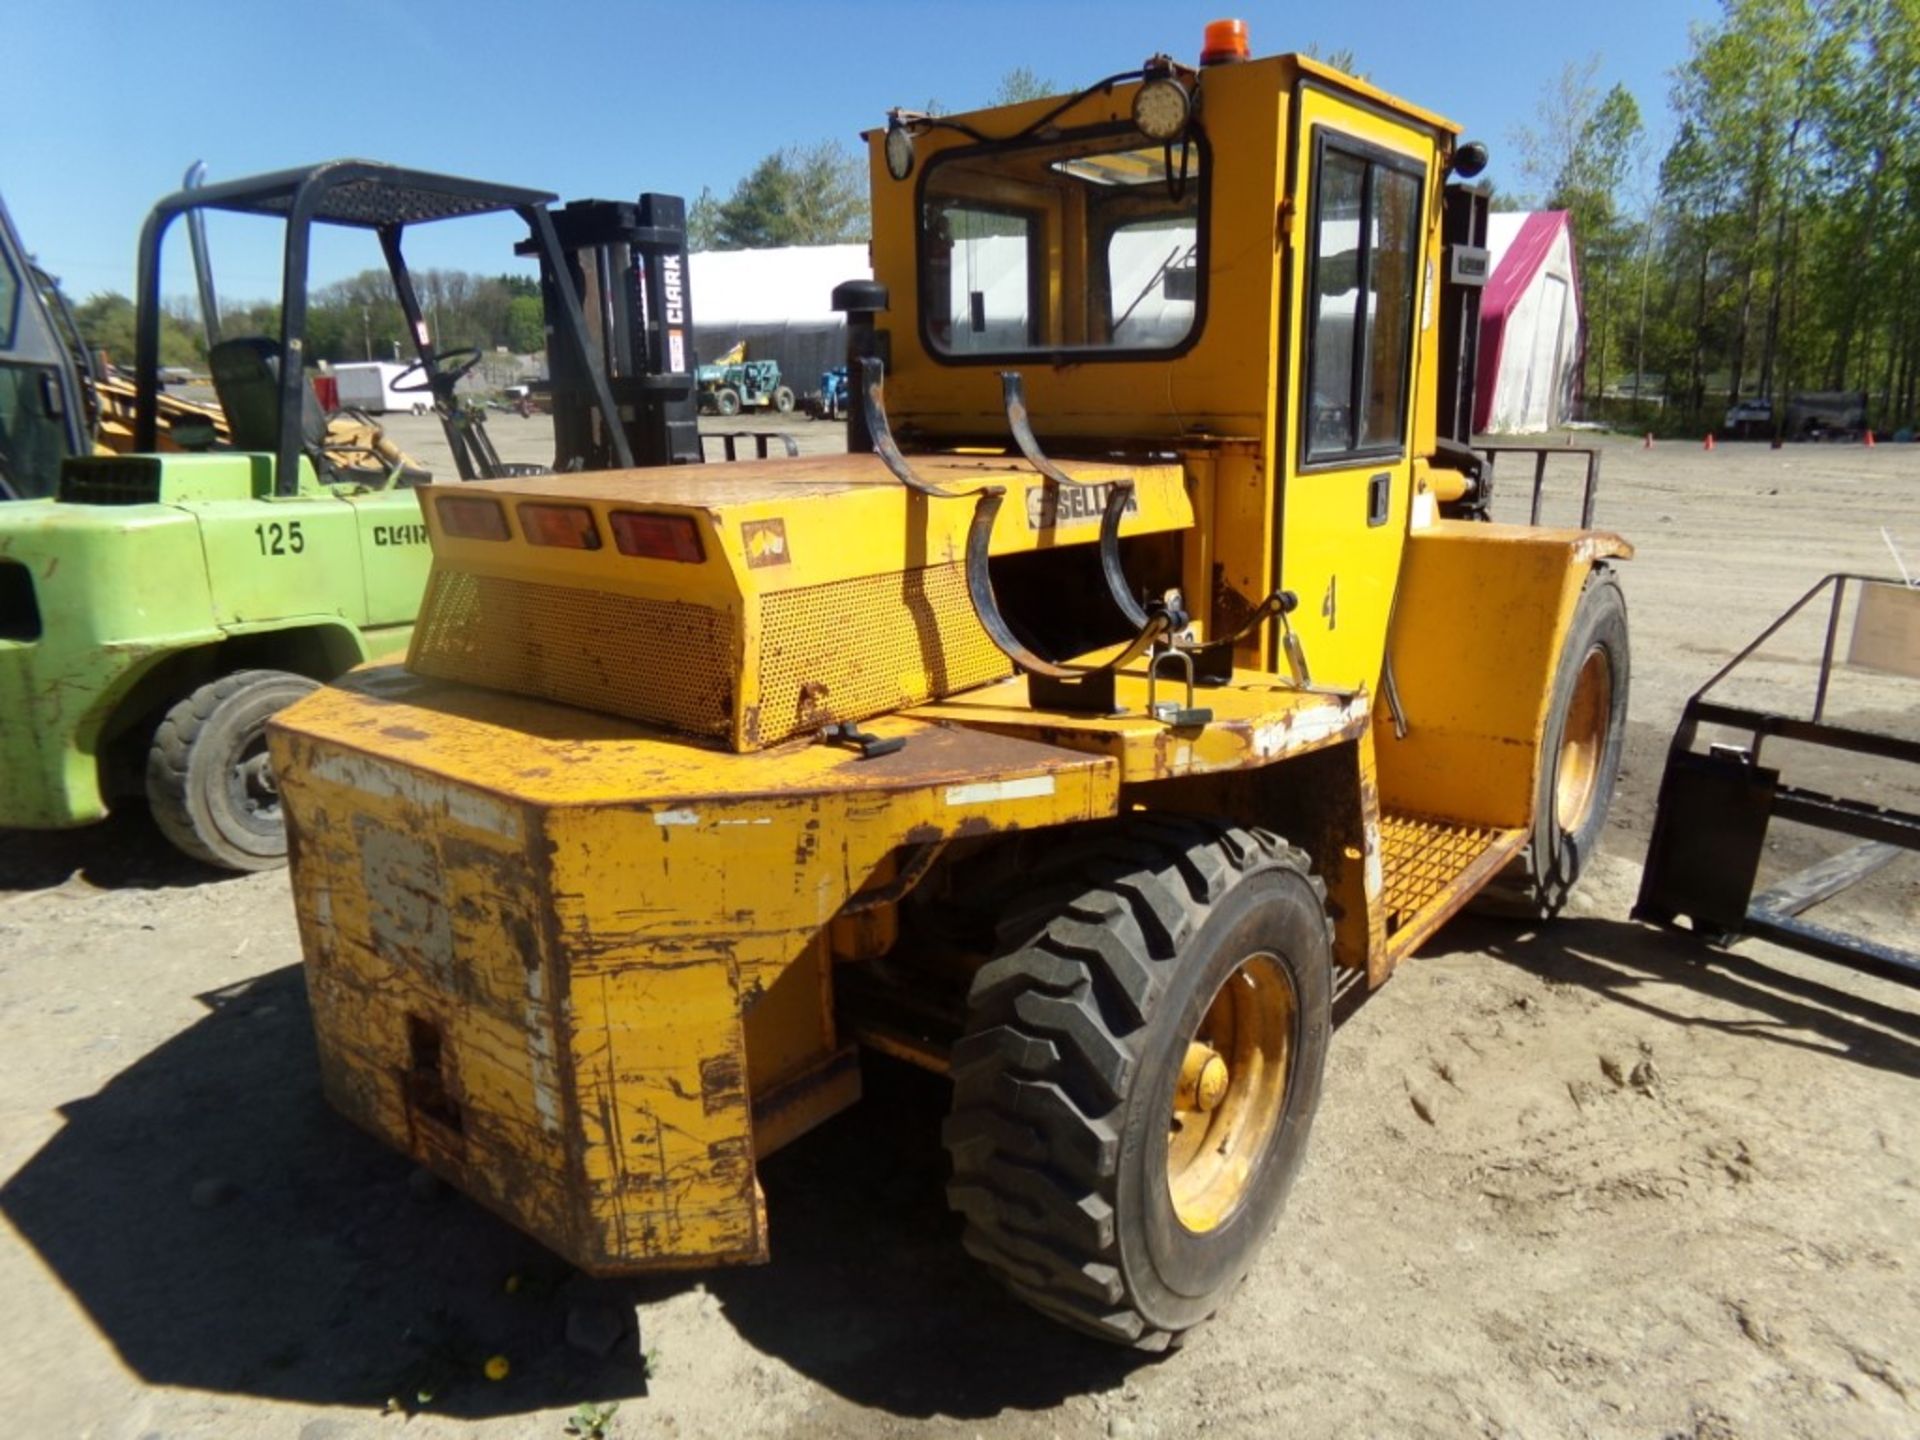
448, 365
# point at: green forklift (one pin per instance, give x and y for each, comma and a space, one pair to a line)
160, 605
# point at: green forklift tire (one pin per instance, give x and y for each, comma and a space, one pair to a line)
208, 779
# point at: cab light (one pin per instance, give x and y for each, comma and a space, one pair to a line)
1161, 108
1225, 42
570, 527
657, 537
471, 517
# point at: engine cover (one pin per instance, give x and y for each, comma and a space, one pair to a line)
747, 603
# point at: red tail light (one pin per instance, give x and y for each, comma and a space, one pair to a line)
472, 517
569, 526
657, 537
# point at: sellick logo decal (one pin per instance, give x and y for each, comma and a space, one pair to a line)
1049, 506
765, 542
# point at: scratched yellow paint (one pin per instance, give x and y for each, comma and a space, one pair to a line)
752, 632
1222, 386
1255, 719
1481, 616
587, 915
1344, 570
842, 517
418, 924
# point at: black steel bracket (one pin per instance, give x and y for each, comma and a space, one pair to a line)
1213, 660
871, 747
873, 380
762, 440
1540, 454
1710, 825
1085, 688
1013, 394
1069, 689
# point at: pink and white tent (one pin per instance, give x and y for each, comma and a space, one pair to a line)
1530, 330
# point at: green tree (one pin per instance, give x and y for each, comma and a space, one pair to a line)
802, 195
1588, 188
1746, 89
1787, 251
107, 322
1340, 58
526, 325
1578, 154
1021, 84
703, 221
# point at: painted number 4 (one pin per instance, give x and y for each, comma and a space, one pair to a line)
278, 539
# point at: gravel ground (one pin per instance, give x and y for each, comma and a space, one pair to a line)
1586, 1179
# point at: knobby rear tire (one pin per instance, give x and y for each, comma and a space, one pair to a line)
1065, 1077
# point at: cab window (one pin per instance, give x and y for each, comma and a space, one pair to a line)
1364, 270
1092, 244
983, 266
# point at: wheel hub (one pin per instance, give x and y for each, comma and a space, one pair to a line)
1203, 1079
1583, 742
254, 785
1230, 1093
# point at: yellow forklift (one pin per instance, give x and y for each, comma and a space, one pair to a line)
1148, 670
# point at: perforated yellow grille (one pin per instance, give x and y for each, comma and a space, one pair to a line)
659, 662
858, 648
1422, 858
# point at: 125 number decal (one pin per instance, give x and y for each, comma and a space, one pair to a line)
278, 539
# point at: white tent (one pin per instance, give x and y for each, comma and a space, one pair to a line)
1530, 328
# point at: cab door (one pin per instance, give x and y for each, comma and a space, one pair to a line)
1358, 310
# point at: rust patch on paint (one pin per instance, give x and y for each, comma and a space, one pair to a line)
722, 1083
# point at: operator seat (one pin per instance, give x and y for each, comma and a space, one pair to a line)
246, 377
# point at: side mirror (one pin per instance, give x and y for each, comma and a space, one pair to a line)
1470, 159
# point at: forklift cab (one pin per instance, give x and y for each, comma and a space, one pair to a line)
45, 402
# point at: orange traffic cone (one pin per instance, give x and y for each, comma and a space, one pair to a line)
1709, 444
1870, 439
1649, 444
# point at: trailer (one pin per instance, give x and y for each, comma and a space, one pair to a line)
368, 386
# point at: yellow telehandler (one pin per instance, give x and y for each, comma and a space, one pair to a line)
1150, 663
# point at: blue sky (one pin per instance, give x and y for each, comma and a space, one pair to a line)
111, 101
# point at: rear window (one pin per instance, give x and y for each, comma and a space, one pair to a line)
1093, 245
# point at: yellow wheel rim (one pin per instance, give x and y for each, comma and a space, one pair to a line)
1230, 1093
1583, 742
